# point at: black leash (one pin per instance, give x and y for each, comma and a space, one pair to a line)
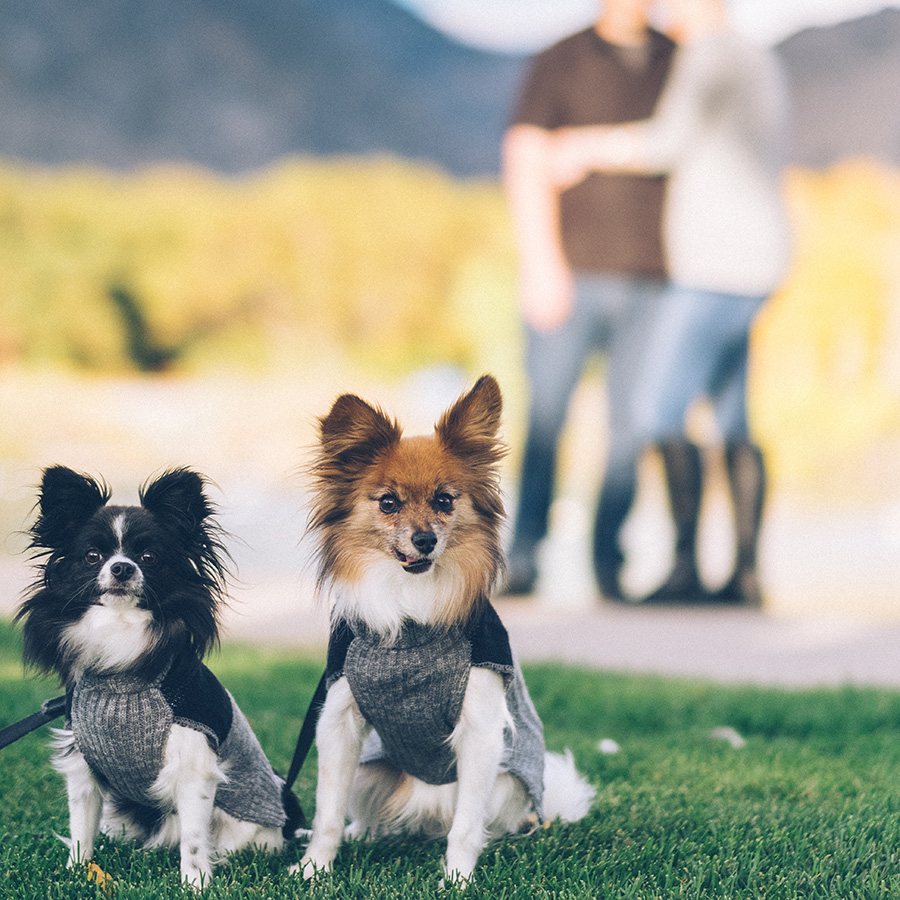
307, 731
50, 710
297, 821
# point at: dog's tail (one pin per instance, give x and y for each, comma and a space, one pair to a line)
568, 795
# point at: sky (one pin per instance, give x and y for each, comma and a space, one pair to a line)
526, 25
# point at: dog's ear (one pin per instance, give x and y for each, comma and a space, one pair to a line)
178, 497
66, 501
354, 433
469, 428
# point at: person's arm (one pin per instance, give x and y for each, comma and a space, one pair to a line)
651, 146
545, 278
577, 152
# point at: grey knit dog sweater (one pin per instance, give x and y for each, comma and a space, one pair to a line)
411, 692
121, 724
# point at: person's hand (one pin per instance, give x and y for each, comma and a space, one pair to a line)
547, 293
568, 160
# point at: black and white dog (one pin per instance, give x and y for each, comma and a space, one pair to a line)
125, 608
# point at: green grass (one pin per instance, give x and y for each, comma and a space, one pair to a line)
808, 808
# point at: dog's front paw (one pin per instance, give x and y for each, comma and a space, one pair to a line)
455, 876
458, 866
75, 856
196, 877
453, 879
309, 867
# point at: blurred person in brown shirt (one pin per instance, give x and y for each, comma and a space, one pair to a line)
591, 269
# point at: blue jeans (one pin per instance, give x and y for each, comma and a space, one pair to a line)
698, 347
612, 314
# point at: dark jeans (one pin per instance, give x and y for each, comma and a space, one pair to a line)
612, 314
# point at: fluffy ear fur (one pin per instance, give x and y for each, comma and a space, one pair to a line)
177, 499
354, 433
351, 437
67, 500
469, 428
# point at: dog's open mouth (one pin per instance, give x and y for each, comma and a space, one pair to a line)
415, 566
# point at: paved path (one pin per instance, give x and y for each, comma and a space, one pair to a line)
725, 645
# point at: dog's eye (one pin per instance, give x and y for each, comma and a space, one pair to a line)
388, 504
147, 558
93, 557
443, 503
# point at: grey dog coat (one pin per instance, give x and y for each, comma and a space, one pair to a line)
411, 692
121, 724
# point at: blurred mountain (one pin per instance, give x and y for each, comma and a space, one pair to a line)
844, 81
234, 85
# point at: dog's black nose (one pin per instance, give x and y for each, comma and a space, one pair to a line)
122, 571
424, 541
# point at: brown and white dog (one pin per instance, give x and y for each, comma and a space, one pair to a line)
408, 533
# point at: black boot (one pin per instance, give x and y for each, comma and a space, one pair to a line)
747, 482
684, 481
521, 571
607, 556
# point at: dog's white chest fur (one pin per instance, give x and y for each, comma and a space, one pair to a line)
109, 637
387, 596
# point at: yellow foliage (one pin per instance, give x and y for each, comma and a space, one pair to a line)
265, 270
825, 376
